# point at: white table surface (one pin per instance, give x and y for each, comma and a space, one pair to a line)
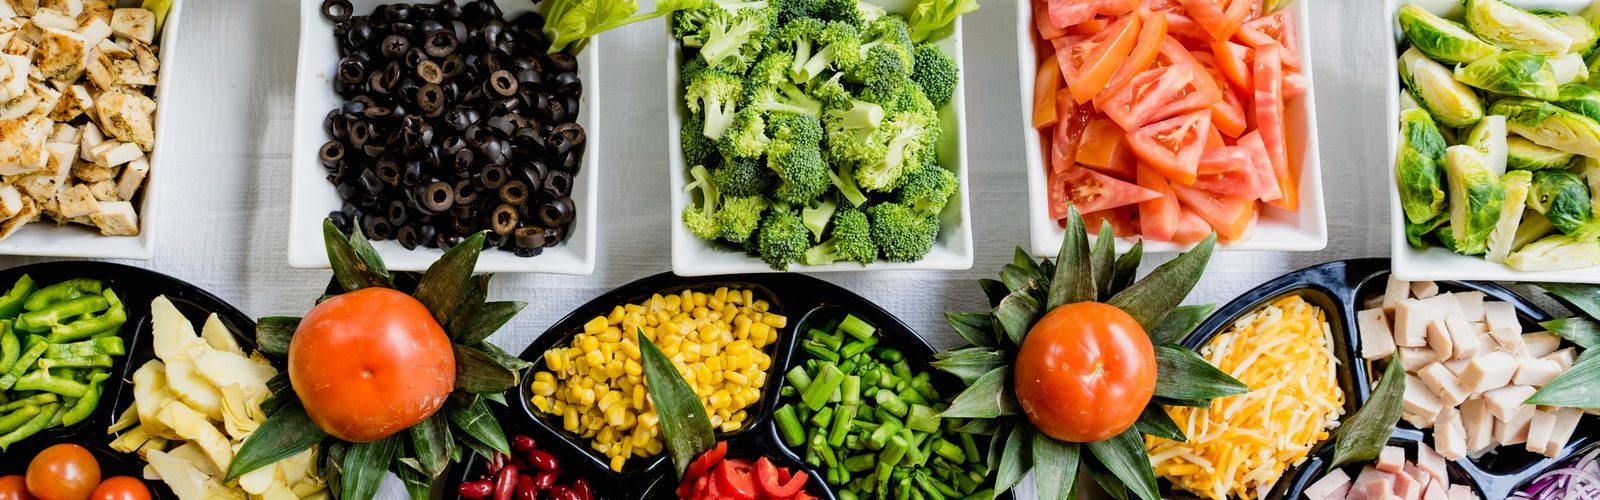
225, 227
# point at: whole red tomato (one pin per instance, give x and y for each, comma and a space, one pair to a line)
370, 363
63, 472
121, 488
14, 488
1085, 372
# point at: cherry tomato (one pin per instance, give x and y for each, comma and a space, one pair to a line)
14, 488
63, 472
121, 488
370, 363
1085, 372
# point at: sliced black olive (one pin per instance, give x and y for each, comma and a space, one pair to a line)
526, 252
397, 212
359, 33
359, 132
529, 77
502, 82
430, 72
514, 192
440, 43
426, 233
534, 172
564, 62
352, 70
438, 197
503, 220
388, 171
557, 212
336, 10
501, 124
452, 66
557, 144
412, 174
495, 150
568, 83
331, 153
415, 56
573, 160
558, 182
370, 182
465, 192
407, 236
530, 237
553, 110
397, 11
494, 176
573, 132
452, 144
430, 98
464, 159
395, 46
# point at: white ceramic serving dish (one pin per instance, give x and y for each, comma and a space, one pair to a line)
1434, 262
1275, 230
692, 256
45, 238
313, 197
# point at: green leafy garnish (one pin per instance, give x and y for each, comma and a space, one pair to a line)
570, 23
934, 19
1364, 434
684, 425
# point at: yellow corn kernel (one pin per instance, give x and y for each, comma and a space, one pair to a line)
736, 378
555, 360
611, 334
632, 308
632, 368
750, 297
569, 420
541, 402
543, 388
775, 321
719, 400
739, 416
630, 350
654, 446
596, 325
587, 397
730, 426
608, 350
614, 416
640, 396
595, 360
617, 461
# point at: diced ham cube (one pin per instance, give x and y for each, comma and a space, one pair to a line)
1565, 357
1479, 424
1391, 459
1540, 429
1449, 436
1329, 486
1372, 483
1566, 422
1471, 305
1536, 372
1515, 429
1435, 491
1541, 343
1420, 402
1504, 402
1488, 372
1424, 289
1406, 487
1411, 317
1440, 339
1433, 464
1377, 341
1394, 292
1463, 336
1443, 384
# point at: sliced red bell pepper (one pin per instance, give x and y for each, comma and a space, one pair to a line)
706, 461
773, 485
735, 479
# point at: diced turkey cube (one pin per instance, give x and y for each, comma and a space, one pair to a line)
127, 117
138, 24
1463, 337
116, 218
1541, 343
74, 101
132, 177
1372, 483
1479, 424
1424, 289
1377, 342
1501, 315
1489, 371
1333, 486
1440, 339
1431, 463
1514, 430
1471, 305
1540, 429
1443, 384
65, 133
1435, 491
105, 190
1414, 358
1420, 402
1394, 292
93, 172
78, 201
1411, 317
1455, 366
1449, 435
1566, 422
1391, 459
1565, 357
1505, 401
70, 7
1536, 372
22, 143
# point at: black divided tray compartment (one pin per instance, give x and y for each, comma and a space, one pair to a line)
136, 287
804, 300
1340, 288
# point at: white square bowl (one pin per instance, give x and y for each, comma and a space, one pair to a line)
952, 251
45, 238
1275, 229
1436, 263
312, 197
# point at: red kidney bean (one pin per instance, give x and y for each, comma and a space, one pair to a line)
543, 480
475, 489
563, 493
506, 484
525, 489
521, 463
522, 444
581, 487
543, 460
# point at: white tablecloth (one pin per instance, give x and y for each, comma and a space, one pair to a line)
226, 210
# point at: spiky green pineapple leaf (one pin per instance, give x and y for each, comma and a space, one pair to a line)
369, 255
284, 434
480, 373
1104, 260
478, 424
987, 397
1024, 261
1182, 374
1015, 315
1107, 481
349, 268
489, 318
1156, 422
466, 310
1017, 278
364, 466
1127, 268
976, 328
431, 444
1016, 458
1124, 456
994, 290
1584, 332
1055, 467
273, 334
1177, 325
1362, 436
419, 485
969, 364
1585, 298
1150, 299
448, 281
1074, 278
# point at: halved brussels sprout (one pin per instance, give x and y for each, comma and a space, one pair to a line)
1509, 27
1516, 184
1556, 253
1568, 69
1475, 197
1511, 72
1580, 99
1441, 39
1417, 167
1523, 154
1534, 226
1550, 126
1563, 198
1451, 102
1583, 34
1489, 138
1415, 232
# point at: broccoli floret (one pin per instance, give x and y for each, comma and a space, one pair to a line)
802, 174
789, 11
889, 32
734, 39
911, 136
783, 97
903, 233
739, 216
715, 95
851, 132
855, 12
817, 214
701, 216
772, 69
845, 182
790, 128
782, 239
927, 189
881, 70
690, 72
697, 149
837, 47
936, 73
742, 177
746, 137
851, 240
829, 91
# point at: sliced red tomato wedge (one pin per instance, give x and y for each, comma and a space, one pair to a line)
1294, 85
1232, 59
1191, 228
1068, 132
1229, 217
1214, 139
1087, 28
1230, 172
1158, 217
1277, 28
1065, 13
1121, 220
1144, 52
1261, 166
1092, 191
1220, 18
1105, 148
1227, 114
1173, 146
1045, 84
1185, 28
1090, 63
1041, 20
1162, 93
1173, 53
1269, 121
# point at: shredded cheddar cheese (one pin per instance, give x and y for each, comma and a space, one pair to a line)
1240, 445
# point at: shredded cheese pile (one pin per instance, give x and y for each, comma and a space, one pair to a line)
1240, 445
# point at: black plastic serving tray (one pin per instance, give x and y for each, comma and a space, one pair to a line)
136, 287
804, 300
1340, 289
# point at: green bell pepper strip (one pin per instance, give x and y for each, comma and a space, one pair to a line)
94, 324
86, 404
18, 418
63, 291
103, 346
33, 426
10, 347
60, 312
34, 400
11, 303
101, 361
36, 348
41, 380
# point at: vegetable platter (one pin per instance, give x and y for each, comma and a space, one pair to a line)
1170, 219
1342, 289
695, 253
138, 287
541, 202
1516, 244
808, 303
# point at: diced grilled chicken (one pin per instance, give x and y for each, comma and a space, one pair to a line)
116, 218
138, 24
